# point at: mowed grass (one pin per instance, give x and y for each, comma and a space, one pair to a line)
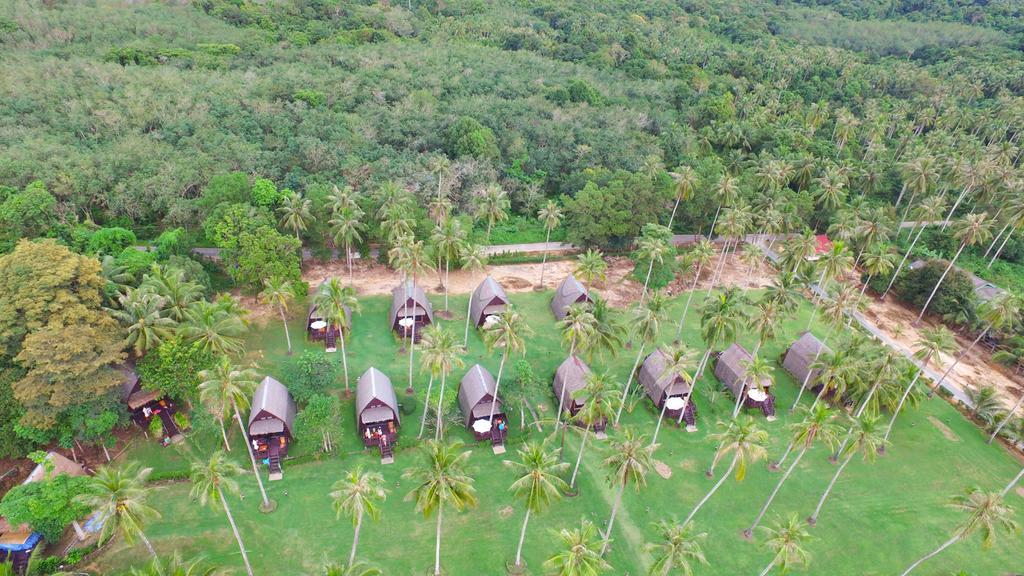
881, 517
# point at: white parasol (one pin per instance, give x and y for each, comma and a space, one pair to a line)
675, 403
481, 426
318, 325
490, 320
406, 322
757, 395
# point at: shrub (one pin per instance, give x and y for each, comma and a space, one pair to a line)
110, 240
468, 137
955, 297
308, 374
265, 193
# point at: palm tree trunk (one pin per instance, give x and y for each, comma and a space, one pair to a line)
768, 568
661, 418
629, 380
544, 260
234, 528
1012, 483
287, 336
902, 262
447, 267
252, 457
437, 547
739, 399
899, 407
939, 283
647, 280
957, 360
900, 197
440, 401
672, 218
426, 404
579, 457
224, 434
936, 552
149, 545
814, 517
689, 298
1001, 246
1009, 415
771, 497
996, 239
344, 359
611, 519
956, 205
412, 352
469, 312
522, 538
348, 257
497, 384
704, 500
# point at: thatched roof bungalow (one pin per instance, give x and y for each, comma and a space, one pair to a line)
477, 399
801, 355
669, 392
377, 412
271, 418
410, 310
569, 292
489, 299
731, 371
570, 378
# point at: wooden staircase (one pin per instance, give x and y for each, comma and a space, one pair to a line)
768, 407
274, 458
497, 441
387, 454
331, 340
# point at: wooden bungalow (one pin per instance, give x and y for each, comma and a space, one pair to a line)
488, 300
730, 369
801, 355
377, 413
317, 326
570, 378
410, 307
670, 393
569, 292
144, 405
270, 424
477, 399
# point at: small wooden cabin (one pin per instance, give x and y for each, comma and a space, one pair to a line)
377, 413
670, 393
488, 299
477, 400
801, 355
270, 424
410, 310
317, 326
570, 378
731, 371
144, 405
569, 292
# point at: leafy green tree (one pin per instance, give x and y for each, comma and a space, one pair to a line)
263, 253
48, 506
309, 374
265, 193
610, 214
468, 137
321, 416
172, 368
110, 241
30, 212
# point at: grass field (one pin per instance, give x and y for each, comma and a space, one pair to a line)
881, 517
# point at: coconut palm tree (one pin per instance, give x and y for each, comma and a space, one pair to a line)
974, 229
550, 215
231, 387
338, 303
296, 214
409, 257
442, 481
118, 497
429, 363
721, 317
474, 259
211, 480
578, 555
118, 280
702, 254
509, 333
744, 439
684, 183
357, 495
677, 548
653, 249
538, 484
843, 305
141, 313
786, 541
357, 568
279, 292
1006, 419
591, 267
173, 565
598, 399
756, 371
215, 329
448, 238
999, 313
347, 231
932, 343
646, 325
764, 321
340, 198
818, 425
491, 204
929, 210
678, 363
608, 330
866, 433
577, 327
878, 261
170, 284
987, 514
445, 355
629, 462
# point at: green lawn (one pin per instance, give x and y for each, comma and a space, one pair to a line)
881, 517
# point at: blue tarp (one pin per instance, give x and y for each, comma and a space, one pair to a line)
29, 544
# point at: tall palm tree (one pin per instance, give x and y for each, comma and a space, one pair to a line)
866, 432
987, 514
338, 303
684, 183
933, 342
629, 462
818, 425
509, 333
538, 484
999, 313
843, 305
764, 321
878, 261
446, 355
118, 497
430, 363
550, 215
279, 292
721, 317
211, 480
448, 239
340, 198
678, 363
608, 330
744, 439
974, 229
439, 482
409, 257
653, 250
347, 231
141, 313
591, 267
491, 204
357, 495
578, 555
215, 329
678, 546
646, 325
231, 387
296, 214
174, 565
786, 541
474, 259
577, 327
598, 399
116, 277
702, 254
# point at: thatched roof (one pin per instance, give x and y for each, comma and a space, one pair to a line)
656, 382
411, 295
569, 292
488, 298
131, 388
801, 355
314, 312
570, 376
730, 369
375, 398
273, 409
61, 465
476, 394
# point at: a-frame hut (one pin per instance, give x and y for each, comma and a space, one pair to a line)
801, 356
317, 326
410, 308
377, 413
670, 393
488, 300
270, 424
569, 292
477, 400
570, 378
731, 371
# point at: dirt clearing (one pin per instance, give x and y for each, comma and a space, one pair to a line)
944, 429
